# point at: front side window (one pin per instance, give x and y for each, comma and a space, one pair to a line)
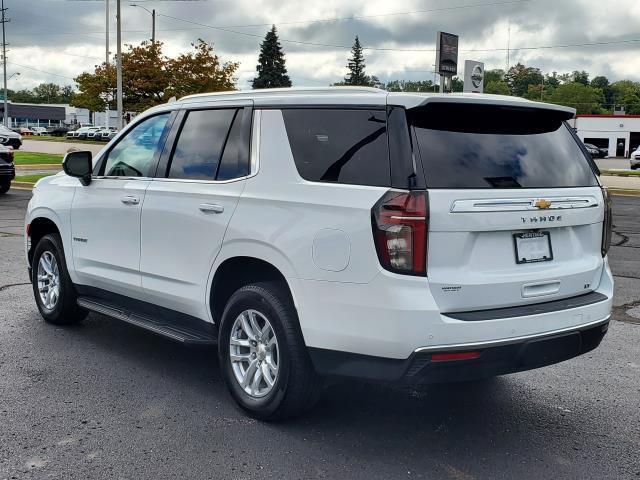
339, 146
200, 145
137, 153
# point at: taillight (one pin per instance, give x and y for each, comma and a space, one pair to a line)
606, 226
400, 225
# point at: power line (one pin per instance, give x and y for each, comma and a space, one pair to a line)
42, 71
331, 45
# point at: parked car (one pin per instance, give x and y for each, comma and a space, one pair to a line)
25, 131
94, 133
7, 169
83, 134
38, 131
10, 138
106, 134
635, 159
597, 152
60, 131
78, 133
335, 231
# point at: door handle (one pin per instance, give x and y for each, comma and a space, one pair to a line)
211, 208
130, 200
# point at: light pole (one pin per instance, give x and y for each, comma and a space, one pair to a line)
4, 65
106, 61
153, 20
119, 65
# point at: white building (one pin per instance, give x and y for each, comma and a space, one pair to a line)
619, 133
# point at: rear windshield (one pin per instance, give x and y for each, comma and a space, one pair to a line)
472, 146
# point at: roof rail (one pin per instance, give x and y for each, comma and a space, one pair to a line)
289, 91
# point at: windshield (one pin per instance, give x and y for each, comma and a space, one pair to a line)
482, 146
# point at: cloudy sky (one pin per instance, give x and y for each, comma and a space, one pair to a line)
55, 40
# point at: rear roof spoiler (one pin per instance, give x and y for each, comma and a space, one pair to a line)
417, 101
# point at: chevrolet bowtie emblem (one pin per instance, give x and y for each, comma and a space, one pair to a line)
542, 204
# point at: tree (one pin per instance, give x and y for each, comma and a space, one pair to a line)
150, 78
199, 71
603, 84
581, 77
409, 86
519, 78
497, 87
626, 93
356, 66
584, 98
272, 72
496, 75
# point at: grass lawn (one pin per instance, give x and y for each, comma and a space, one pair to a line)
50, 138
31, 158
31, 178
621, 173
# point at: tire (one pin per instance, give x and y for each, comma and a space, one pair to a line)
296, 387
65, 310
4, 187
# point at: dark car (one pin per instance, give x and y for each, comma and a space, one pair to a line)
57, 131
597, 152
7, 170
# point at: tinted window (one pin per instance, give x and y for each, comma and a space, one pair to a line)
344, 146
137, 153
199, 147
494, 147
231, 165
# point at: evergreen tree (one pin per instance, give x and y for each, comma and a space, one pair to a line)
272, 72
356, 66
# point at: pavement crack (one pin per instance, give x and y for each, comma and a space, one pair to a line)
4, 287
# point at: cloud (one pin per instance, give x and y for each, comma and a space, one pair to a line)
59, 39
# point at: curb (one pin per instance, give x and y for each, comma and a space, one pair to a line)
22, 185
624, 192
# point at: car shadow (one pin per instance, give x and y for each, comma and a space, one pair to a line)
458, 430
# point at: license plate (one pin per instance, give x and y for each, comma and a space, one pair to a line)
532, 247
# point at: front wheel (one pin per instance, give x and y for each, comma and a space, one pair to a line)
52, 287
263, 358
4, 187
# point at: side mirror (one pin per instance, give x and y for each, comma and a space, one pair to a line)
79, 165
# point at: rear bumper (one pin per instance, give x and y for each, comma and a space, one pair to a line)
494, 358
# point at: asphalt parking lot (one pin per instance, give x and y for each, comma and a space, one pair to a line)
105, 400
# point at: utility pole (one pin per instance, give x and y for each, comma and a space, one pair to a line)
118, 64
508, 45
153, 20
106, 61
4, 66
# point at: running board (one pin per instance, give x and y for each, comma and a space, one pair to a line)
174, 331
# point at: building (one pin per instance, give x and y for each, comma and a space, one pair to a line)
44, 115
619, 133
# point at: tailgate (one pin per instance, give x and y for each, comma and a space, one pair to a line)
472, 262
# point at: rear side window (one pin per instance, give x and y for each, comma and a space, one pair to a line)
200, 145
339, 146
464, 146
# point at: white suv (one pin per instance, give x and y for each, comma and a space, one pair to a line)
390, 236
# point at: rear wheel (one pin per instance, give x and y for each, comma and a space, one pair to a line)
263, 358
52, 287
4, 187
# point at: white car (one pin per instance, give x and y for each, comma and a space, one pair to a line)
9, 138
38, 131
341, 231
635, 159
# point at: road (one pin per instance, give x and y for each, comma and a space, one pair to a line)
608, 163
105, 400
43, 146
